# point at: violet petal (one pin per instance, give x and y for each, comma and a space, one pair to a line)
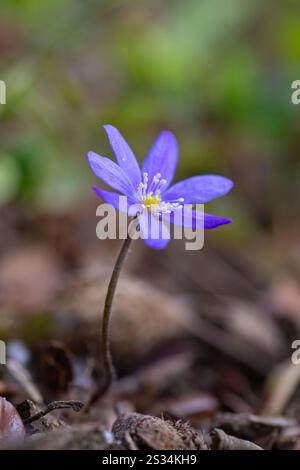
124, 155
110, 173
199, 189
162, 158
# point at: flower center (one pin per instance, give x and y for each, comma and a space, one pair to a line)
152, 200
149, 195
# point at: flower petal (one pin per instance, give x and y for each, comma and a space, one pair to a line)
124, 155
162, 158
195, 219
110, 173
118, 201
153, 231
213, 221
199, 189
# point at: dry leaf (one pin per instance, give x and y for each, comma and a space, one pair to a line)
137, 431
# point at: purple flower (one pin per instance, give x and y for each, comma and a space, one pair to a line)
148, 191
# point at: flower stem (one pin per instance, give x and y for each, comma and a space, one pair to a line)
108, 367
109, 370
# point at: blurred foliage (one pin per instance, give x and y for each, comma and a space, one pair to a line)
217, 73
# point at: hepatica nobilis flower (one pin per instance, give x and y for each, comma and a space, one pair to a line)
154, 204
148, 191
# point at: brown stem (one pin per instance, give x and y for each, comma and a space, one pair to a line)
108, 367
109, 371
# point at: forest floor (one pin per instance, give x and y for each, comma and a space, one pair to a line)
202, 347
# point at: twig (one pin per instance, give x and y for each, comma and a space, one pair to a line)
55, 405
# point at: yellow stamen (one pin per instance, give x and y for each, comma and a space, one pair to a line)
151, 200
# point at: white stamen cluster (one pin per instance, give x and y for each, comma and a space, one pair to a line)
168, 207
153, 188
149, 195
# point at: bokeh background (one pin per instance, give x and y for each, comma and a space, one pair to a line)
218, 73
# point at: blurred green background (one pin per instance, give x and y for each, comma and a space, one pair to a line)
217, 73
